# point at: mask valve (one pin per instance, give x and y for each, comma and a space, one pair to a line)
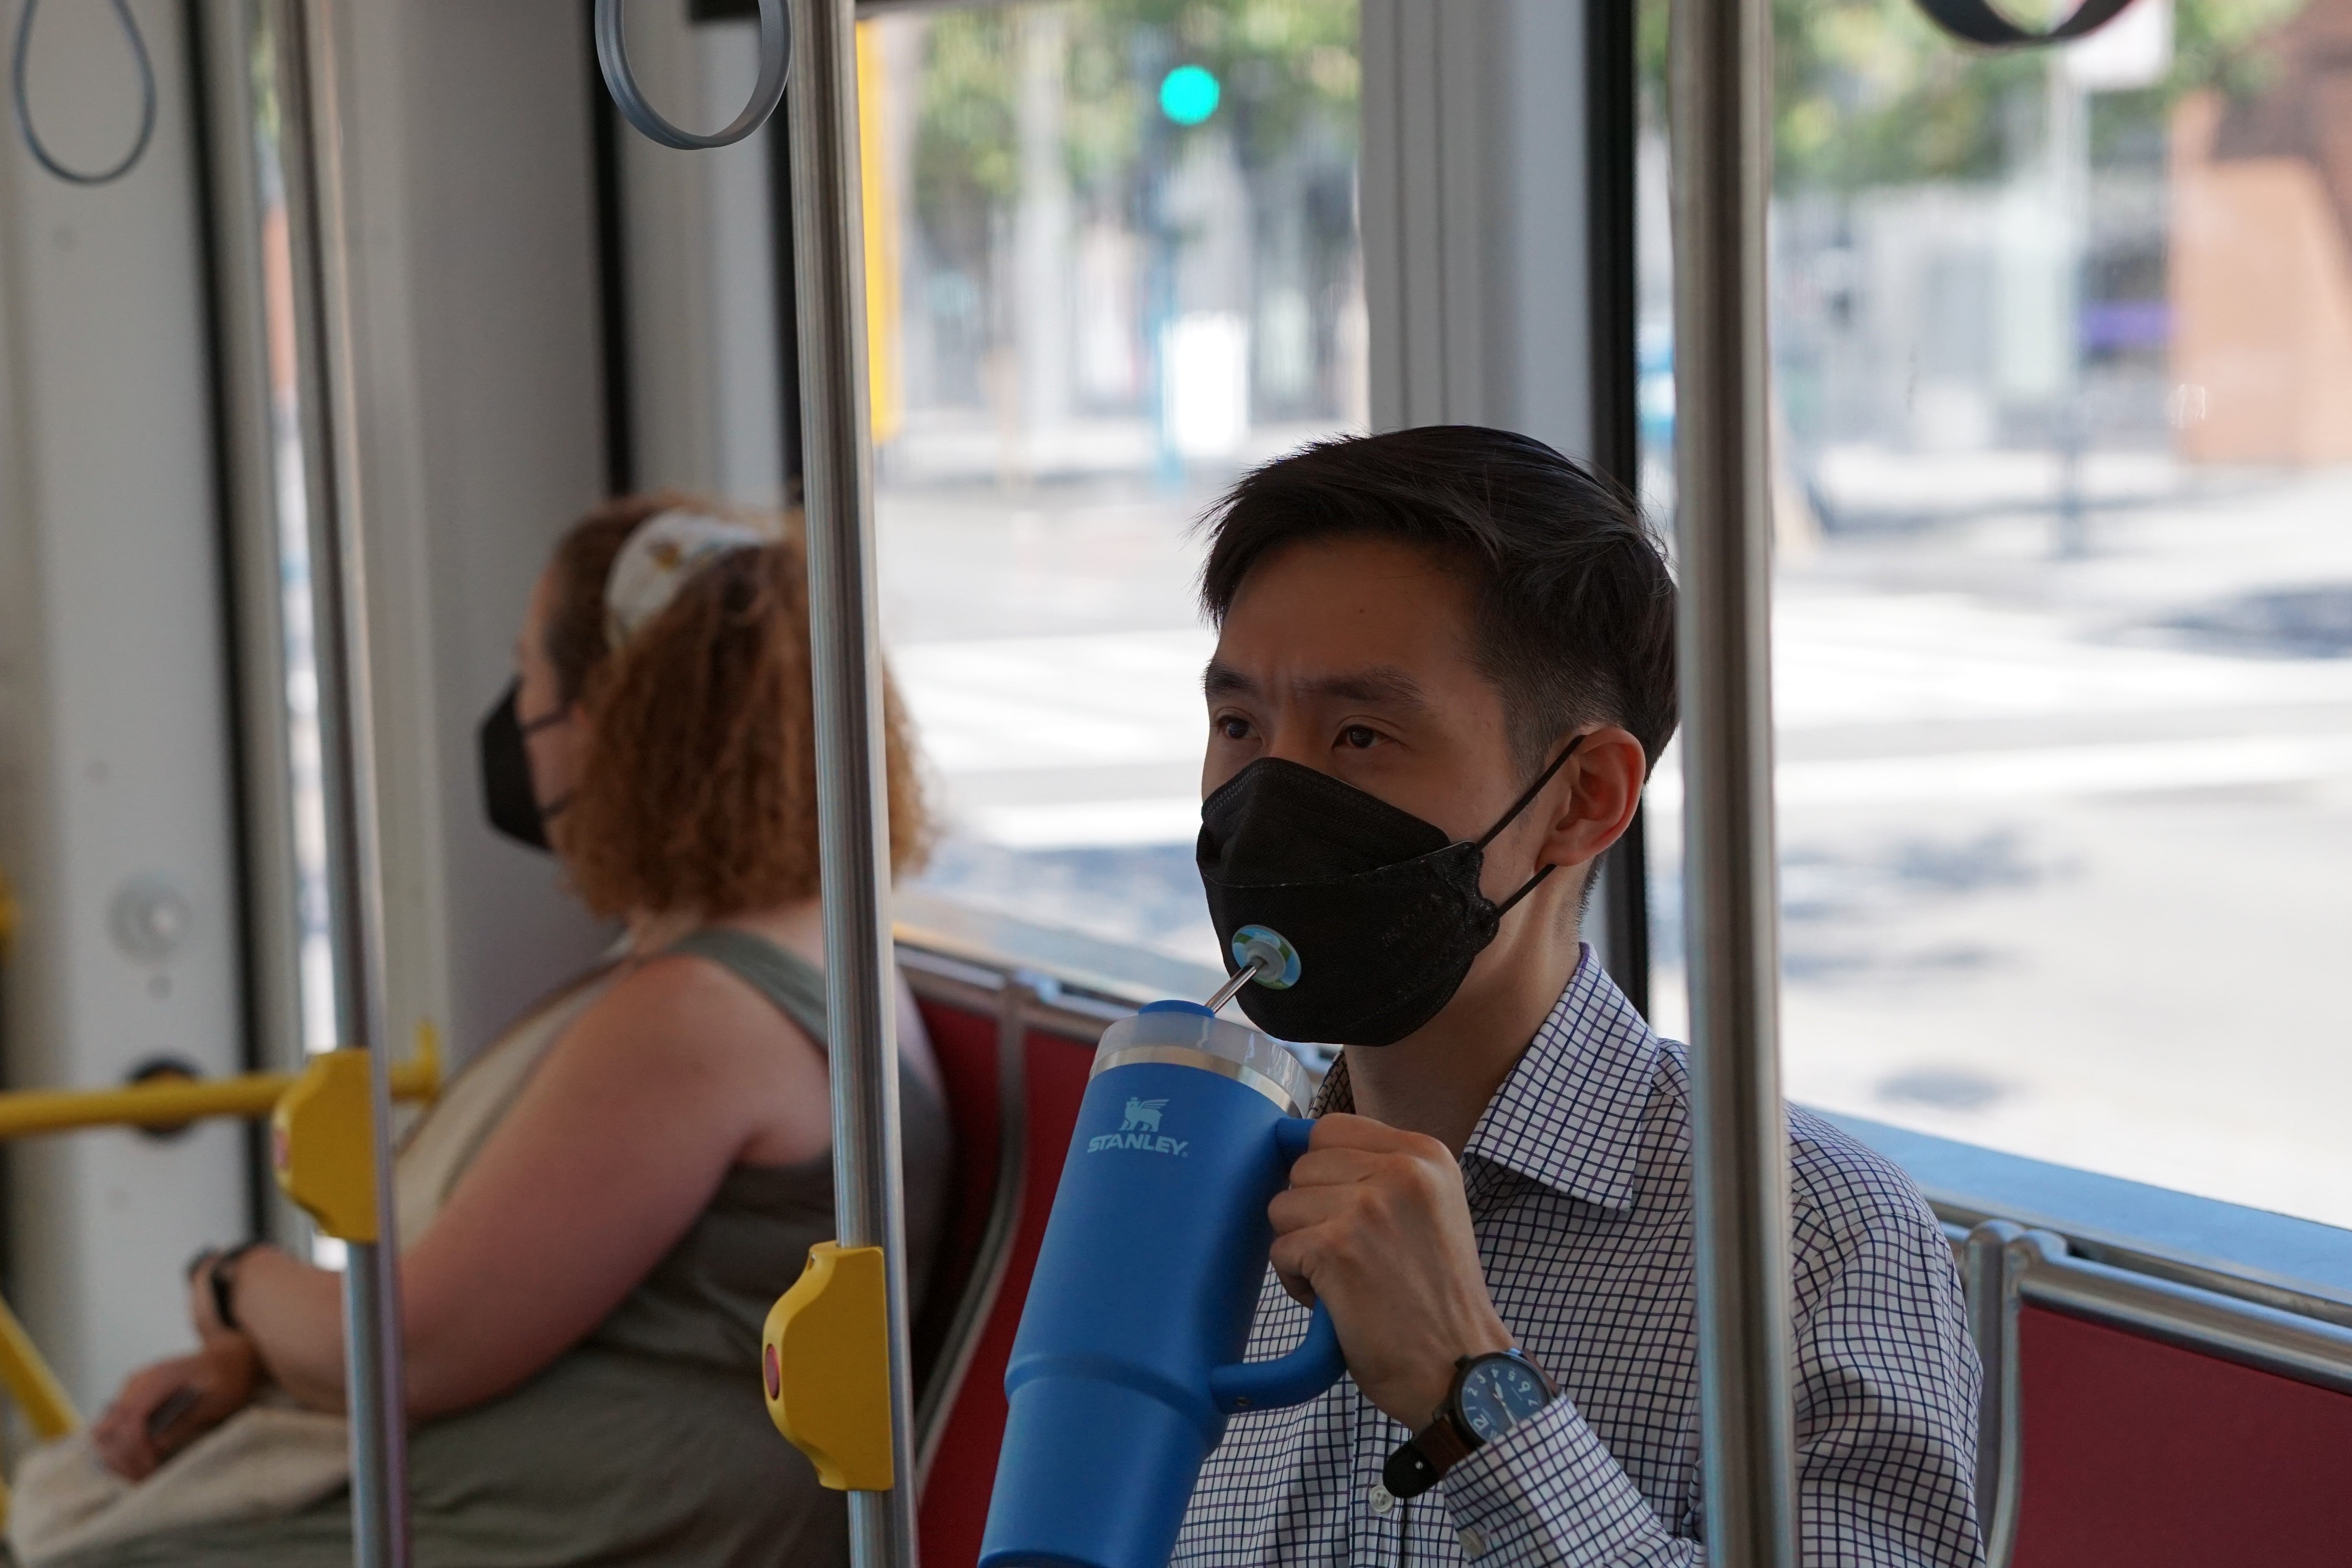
1266, 956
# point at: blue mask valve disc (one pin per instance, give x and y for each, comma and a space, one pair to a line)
1277, 960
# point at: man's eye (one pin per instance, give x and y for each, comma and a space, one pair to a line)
1234, 729
1357, 737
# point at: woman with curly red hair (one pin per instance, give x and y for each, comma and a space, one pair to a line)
598, 1215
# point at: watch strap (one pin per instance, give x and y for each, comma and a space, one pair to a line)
224, 1284
1408, 1472
1444, 1442
1420, 1462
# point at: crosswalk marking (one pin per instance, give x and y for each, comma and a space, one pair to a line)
1114, 699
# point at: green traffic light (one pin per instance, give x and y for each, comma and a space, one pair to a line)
1189, 94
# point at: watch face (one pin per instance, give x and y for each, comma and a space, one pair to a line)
1499, 1393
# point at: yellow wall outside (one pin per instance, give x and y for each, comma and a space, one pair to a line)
884, 391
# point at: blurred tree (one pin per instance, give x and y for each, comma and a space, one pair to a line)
1871, 92
2222, 44
1280, 63
966, 163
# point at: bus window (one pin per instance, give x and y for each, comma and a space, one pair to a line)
2064, 638
1113, 261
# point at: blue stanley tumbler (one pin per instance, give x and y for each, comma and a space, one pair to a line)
1129, 1356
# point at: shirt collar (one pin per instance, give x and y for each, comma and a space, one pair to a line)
1569, 1114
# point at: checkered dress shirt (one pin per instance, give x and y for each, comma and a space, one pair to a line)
1579, 1185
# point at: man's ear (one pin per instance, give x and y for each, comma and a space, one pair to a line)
1593, 801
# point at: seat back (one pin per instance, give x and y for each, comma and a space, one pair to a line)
2139, 1453
1018, 1103
964, 1042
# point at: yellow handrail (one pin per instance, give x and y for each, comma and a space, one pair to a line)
31, 1383
48, 1408
171, 1102
23, 1373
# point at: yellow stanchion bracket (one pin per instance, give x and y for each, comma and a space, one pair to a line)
825, 1359
419, 1077
320, 1147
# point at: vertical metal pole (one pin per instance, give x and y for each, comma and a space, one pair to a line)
1719, 55
309, 78
1992, 1271
853, 803
1612, 132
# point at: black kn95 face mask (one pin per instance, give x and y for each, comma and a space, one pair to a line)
509, 797
1369, 918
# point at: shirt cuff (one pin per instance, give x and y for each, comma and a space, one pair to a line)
1548, 1492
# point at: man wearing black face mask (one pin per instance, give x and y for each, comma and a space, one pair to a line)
1445, 668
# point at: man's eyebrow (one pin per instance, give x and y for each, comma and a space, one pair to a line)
1222, 680
1383, 685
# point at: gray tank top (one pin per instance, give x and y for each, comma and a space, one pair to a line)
648, 1442
709, 1298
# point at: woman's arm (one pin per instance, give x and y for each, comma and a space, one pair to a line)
293, 1314
613, 1149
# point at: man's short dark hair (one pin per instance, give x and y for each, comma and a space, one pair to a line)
1575, 610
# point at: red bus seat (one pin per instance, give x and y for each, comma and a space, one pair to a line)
964, 1043
2139, 1453
1014, 1094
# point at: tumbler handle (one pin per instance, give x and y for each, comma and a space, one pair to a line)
1306, 1372
1291, 1136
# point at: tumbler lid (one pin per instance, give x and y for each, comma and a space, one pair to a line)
1186, 1034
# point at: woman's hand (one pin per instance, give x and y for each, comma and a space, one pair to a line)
165, 1407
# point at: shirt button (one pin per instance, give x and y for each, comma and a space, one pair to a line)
1474, 1541
1382, 1501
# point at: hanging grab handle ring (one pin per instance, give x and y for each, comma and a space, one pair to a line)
33, 143
775, 59
1975, 22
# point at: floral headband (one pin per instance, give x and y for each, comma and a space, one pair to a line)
664, 551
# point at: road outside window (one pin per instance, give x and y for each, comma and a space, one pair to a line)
2063, 636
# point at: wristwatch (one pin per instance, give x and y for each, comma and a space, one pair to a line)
1491, 1395
223, 1280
